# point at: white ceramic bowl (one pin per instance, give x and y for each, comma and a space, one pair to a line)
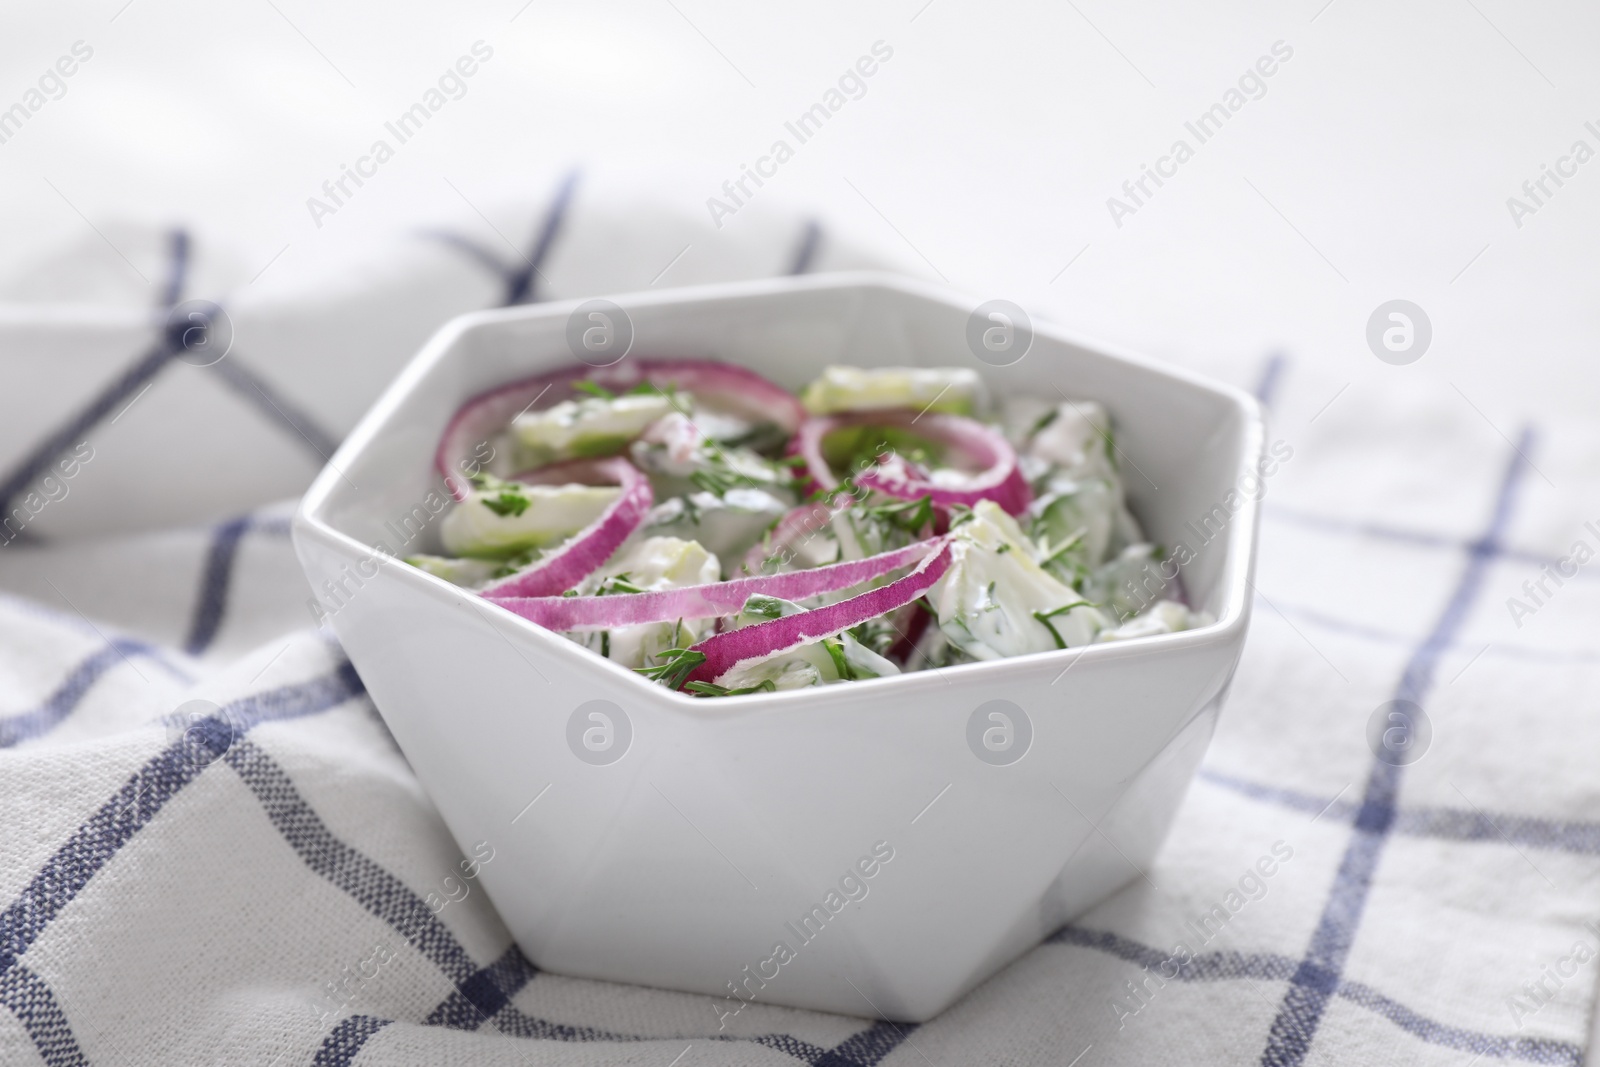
689, 860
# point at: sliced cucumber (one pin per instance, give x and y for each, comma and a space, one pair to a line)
469, 573
593, 426
728, 525
500, 519
996, 600
958, 390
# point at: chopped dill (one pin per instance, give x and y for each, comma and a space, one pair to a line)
1044, 618
673, 666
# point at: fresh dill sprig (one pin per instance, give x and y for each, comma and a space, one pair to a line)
835, 650
509, 497
880, 634
594, 389
711, 689
912, 516
1066, 546
717, 474
990, 603
617, 583
1044, 420
716, 478
508, 501
673, 666
1044, 618
762, 437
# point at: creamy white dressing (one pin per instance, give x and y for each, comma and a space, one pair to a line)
1073, 570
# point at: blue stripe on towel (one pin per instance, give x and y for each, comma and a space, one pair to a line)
522, 285
1444, 824
1266, 390
70, 693
1267, 966
804, 1051
1319, 973
272, 526
76, 429
1389, 637
344, 1044
864, 1049
214, 583
1421, 538
805, 252
1449, 824
868, 1047
141, 797
115, 822
480, 993
518, 1023
485, 993
73, 431
372, 887
472, 250
35, 1006
1530, 1049
520, 280
275, 406
488, 993
1206, 967
177, 268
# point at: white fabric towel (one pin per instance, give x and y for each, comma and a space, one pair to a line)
214, 853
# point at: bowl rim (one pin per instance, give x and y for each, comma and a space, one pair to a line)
1229, 626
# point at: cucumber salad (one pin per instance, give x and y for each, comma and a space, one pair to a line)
707, 528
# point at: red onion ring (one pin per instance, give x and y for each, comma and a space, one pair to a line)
586, 550
727, 650
713, 600
736, 388
807, 444
1001, 479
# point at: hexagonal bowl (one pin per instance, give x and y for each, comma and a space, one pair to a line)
841, 848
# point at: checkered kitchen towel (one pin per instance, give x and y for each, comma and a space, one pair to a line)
213, 852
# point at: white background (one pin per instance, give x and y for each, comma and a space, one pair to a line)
1376, 166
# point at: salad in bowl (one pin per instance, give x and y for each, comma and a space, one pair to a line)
721, 535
